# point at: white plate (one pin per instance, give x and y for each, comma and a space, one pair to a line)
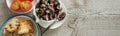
8, 2
45, 24
37, 28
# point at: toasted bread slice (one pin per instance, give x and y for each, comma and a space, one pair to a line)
12, 26
25, 27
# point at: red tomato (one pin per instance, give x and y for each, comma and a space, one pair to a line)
15, 5
26, 6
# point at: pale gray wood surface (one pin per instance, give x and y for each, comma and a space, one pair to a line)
85, 18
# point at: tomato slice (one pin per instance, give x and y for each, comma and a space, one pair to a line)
26, 6
15, 5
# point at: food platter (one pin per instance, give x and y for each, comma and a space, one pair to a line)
56, 15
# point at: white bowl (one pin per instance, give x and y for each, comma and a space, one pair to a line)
8, 2
45, 24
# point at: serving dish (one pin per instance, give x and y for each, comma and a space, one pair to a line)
9, 2
36, 26
45, 24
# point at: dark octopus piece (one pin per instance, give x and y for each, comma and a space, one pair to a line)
61, 16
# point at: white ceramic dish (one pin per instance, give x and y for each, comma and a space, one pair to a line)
45, 24
8, 2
